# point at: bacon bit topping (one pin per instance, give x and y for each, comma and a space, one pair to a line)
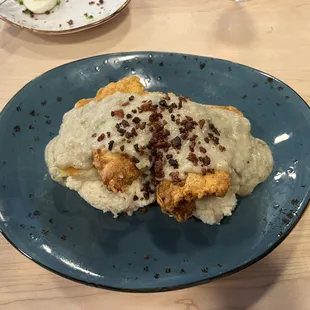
184, 99
111, 143
135, 160
213, 138
135, 198
205, 160
122, 148
94, 135
184, 136
169, 156
101, 137
193, 137
108, 134
125, 104
142, 126
222, 148
158, 169
174, 163
118, 113
193, 158
201, 123
180, 105
124, 123
155, 117
163, 103
147, 106
131, 98
134, 111
162, 145
214, 129
136, 147
121, 131
136, 120
192, 146
176, 143
175, 176
202, 149
128, 116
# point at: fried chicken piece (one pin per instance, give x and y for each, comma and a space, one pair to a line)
178, 200
130, 84
116, 170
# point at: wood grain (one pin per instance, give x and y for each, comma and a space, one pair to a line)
270, 35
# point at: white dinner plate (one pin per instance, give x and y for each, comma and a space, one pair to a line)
67, 17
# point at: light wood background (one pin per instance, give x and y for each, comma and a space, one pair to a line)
271, 35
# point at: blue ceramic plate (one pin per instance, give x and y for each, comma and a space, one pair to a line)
149, 252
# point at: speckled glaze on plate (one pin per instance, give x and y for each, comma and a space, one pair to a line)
149, 252
83, 14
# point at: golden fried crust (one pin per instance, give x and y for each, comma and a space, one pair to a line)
129, 84
229, 108
116, 170
83, 102
174, 199
182, 211
70, 171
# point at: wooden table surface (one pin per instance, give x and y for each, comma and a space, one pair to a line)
273, 36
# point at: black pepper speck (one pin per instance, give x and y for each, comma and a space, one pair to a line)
17, 129
36, 213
